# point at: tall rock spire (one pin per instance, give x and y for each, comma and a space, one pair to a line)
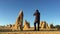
20, 13
19, 21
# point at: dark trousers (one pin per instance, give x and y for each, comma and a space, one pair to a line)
21, 27
37, 25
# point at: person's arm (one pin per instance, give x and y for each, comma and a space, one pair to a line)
35, 13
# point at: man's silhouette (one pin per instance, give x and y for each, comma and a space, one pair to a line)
37, 19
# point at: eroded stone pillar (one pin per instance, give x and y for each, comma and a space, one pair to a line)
19, 21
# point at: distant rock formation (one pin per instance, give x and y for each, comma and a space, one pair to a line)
10, 26
51, 26
43, 25
26, 25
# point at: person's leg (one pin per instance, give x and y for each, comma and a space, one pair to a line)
38, 26
20, 27
34, 26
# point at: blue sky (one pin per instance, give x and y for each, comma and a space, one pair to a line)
49, 9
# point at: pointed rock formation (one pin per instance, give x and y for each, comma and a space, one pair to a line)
26, 25
51, 26
43, 25
19, 22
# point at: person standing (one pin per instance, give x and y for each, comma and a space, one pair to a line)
37, 19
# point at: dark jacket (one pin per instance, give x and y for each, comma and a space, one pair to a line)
37, 16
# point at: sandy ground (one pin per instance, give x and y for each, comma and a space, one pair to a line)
32, 32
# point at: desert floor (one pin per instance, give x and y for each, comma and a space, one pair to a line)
32, 32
